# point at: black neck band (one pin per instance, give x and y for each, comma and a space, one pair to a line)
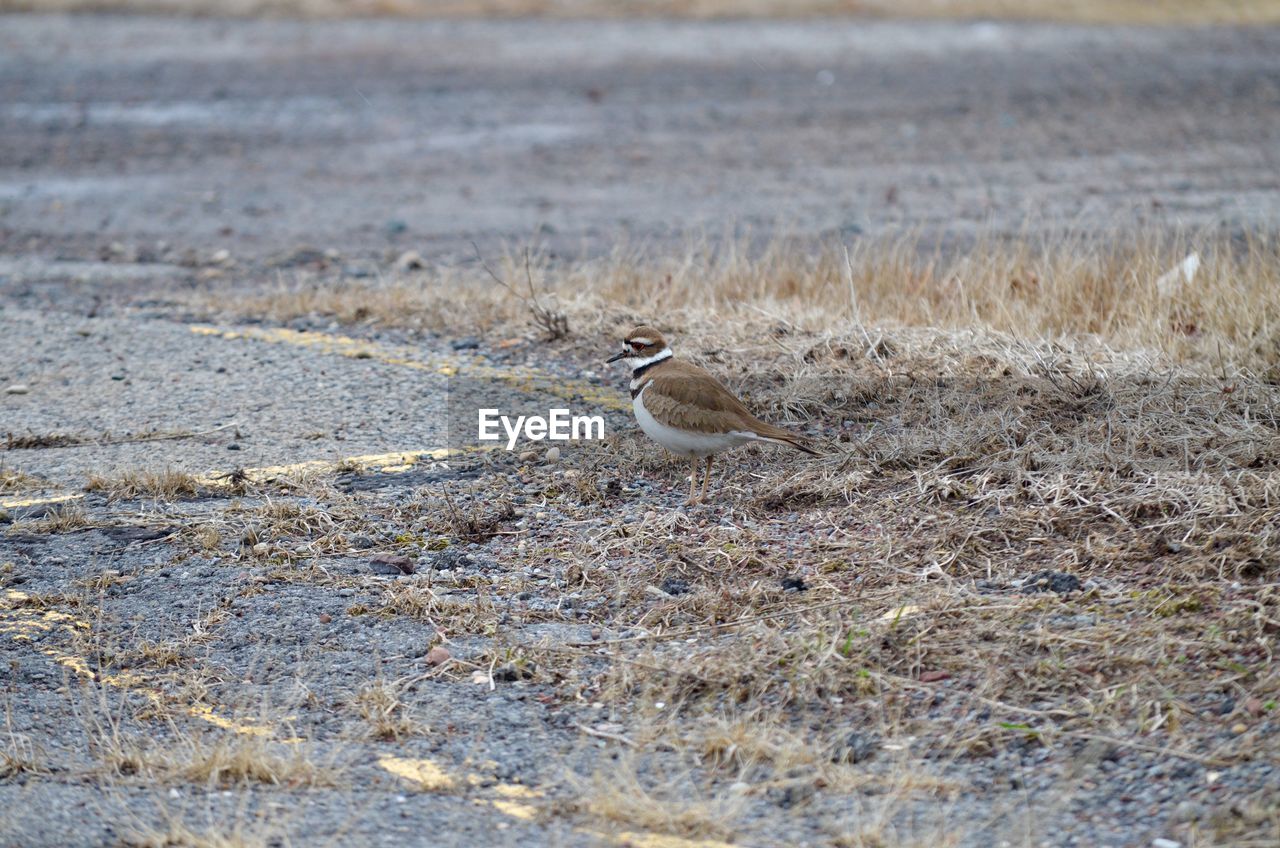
639, 372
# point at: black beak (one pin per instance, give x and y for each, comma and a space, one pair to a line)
618, 356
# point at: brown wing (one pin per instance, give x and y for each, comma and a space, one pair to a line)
689, 397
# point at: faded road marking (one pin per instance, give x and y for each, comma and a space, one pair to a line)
23, 624
425, 773
15, 503
514, 798
405, 356
395, 462
520, 377
382, 463
429, 776
26, 624
512, 802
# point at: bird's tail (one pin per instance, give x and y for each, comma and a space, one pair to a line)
779, 436
793, 441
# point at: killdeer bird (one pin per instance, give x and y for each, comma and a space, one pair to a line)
686, 410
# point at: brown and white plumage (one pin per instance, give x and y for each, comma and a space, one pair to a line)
687, 410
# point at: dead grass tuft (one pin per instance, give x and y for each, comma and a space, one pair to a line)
177, 834
213, 758
454, 613
19, 755
33, 441
387, 716
166, 485
621, 798
63, 518
12, 480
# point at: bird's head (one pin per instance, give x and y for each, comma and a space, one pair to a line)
640, 347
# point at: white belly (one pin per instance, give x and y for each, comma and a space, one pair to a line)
683, 442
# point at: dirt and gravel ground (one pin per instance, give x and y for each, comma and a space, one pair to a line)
206, 628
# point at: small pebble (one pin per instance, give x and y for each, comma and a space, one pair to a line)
1188, 811
325, 618
1239, 727
553, 455
17, 389
1159, 842
439, 655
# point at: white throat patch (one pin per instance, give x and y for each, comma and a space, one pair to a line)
637, 362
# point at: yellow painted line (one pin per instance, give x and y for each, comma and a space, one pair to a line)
404, 356
21, 623
515, 809
425, 773
512, 802
395, 462
384, 463
336, 345
521, 377
431, 777
206, 713
14, 503
516, 790
659, 840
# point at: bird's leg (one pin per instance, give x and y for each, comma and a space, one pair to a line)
693, 480
705, 481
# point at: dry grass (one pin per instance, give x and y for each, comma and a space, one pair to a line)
18, 753
386, 715
1088, 425
175, 832
63, 518
12, 480
166, 485
619, 796
192, 824
1227, 316
181, 753
469, 612
1075, 11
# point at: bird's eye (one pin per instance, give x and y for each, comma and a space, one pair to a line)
637, 345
